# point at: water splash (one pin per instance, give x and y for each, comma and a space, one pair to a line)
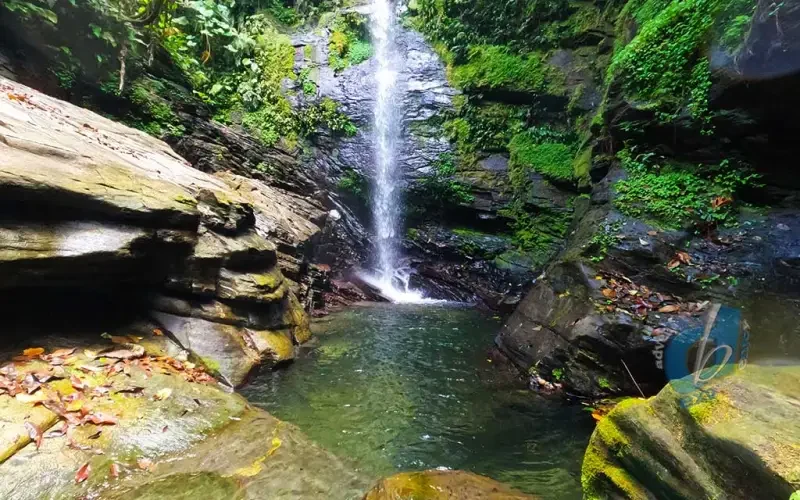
391, 278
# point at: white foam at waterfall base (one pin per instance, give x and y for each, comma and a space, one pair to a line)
391, 279
396, 288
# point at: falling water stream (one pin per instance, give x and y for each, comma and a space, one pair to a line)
391, 277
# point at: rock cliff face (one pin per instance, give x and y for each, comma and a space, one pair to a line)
90, 205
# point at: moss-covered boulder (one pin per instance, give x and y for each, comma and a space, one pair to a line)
442, 485
735, 437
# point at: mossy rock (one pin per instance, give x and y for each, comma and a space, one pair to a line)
442, 485
737, 437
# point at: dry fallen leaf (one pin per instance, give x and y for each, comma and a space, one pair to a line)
158, 332
162, 394
609, 293
34, 432
683, 257
146, 464
114, 470
652, 233
62, 353
37, 397
101, 419
670, 308
83, 473
33, 351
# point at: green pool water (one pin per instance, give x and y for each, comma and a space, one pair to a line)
410, 387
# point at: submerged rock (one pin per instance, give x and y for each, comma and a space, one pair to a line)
736, 437
442, 485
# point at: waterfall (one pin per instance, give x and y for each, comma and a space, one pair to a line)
391, 278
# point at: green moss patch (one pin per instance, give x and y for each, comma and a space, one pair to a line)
495, 67
553, 160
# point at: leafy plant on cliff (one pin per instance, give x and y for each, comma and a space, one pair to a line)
666, 63
349, 41
495, 67
673, 195
440, 190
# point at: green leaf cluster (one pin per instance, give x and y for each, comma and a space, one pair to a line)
349, 40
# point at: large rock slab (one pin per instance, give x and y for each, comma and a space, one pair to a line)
735, 437
175, 433
64, 157
442, 485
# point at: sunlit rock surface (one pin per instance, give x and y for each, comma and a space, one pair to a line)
736, 437
442, 485
91, 204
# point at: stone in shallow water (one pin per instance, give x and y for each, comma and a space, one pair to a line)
442, 485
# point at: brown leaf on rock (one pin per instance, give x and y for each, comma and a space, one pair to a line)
83, 473
652, 233
77, 383
609, 293
34, 432
114, 470
100, 419
132, 353
670, 308
33, 351
158, 332
684, 258
62, 353
146, 464
58, 432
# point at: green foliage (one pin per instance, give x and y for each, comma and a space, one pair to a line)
459, 24
326, 114
29, 10
349, 41
558, 374
159, 117
673, 195
484, 126
666, 63
540, 150
354, 184
440, 190
538, 233
603, 240
495, 67
603, 383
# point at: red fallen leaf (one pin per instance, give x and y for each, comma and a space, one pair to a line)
158, 332
34, 432
114, 470
100, 419
77, 384
83, 473
720, 201
670, 308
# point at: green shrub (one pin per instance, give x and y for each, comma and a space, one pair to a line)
354, 184
439, 190
673, 195
349, 41
666, 62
